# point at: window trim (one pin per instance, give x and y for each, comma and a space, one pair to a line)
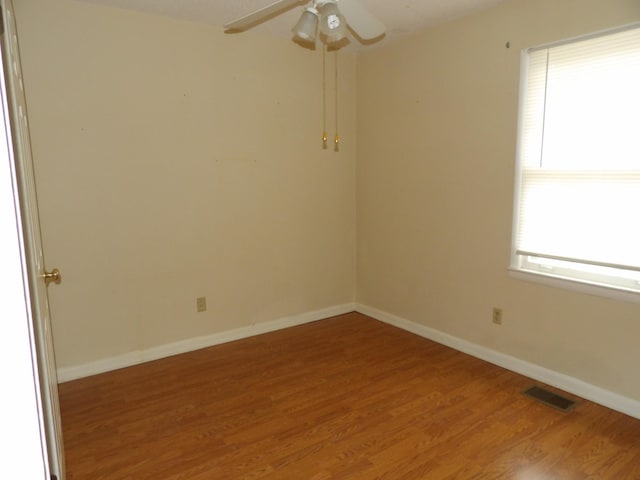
574, 285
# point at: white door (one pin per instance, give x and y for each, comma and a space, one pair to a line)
23, 447
14, 99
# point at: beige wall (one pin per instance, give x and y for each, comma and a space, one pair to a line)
436, 145
174, 161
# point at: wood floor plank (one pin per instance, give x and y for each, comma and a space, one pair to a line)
343, 398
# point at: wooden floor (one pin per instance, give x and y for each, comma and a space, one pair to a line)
343, 398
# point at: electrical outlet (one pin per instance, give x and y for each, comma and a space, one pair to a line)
201, 304
497, 316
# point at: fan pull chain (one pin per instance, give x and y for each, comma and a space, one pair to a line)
337, 138
325, 137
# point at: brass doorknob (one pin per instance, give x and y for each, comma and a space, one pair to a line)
53, 276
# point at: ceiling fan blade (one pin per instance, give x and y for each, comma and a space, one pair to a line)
261, 15
361, 20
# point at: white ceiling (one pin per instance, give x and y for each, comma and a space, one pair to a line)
401, 17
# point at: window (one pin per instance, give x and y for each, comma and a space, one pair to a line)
577, 205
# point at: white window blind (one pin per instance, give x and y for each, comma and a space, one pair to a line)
578, 184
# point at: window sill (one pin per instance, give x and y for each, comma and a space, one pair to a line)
575, 285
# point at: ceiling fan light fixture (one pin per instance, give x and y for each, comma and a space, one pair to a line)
333, 25
306, 30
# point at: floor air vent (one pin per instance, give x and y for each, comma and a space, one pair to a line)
549, 398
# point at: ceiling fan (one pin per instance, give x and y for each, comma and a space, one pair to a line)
323, 15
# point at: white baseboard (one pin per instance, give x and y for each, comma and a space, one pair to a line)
564, 382
129, 359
